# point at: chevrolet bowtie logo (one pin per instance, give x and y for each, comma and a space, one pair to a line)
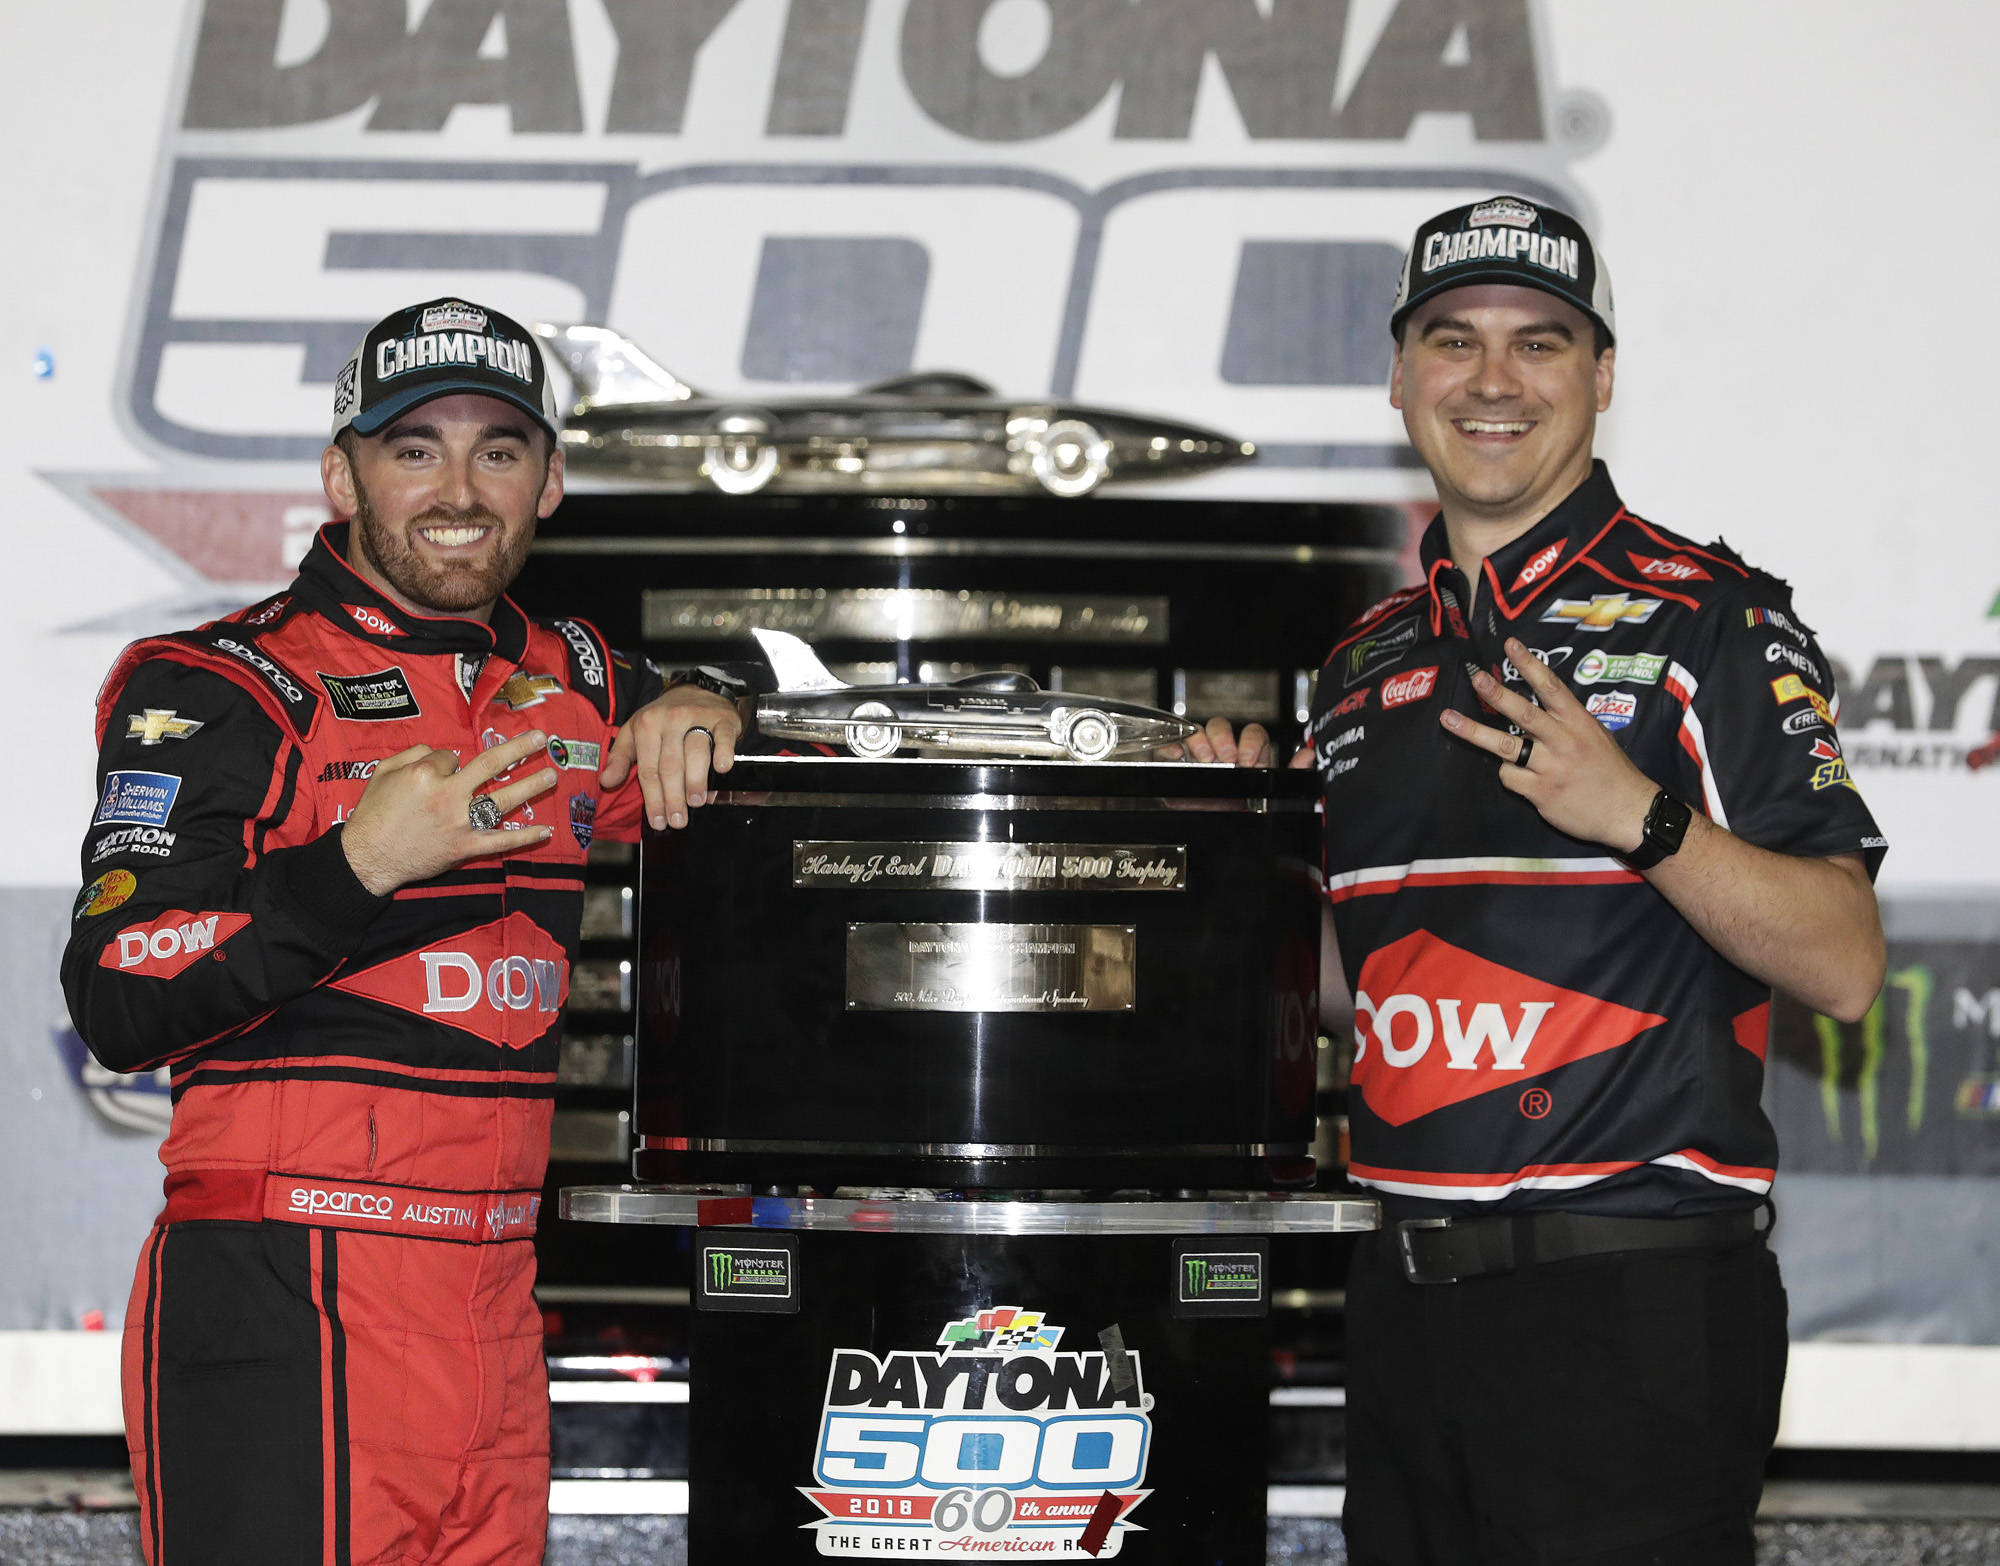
1603, 611
158, 724
526, 690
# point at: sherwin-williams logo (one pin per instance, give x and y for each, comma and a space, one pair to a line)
143, 798
170, 944
505, 981
1435, 1025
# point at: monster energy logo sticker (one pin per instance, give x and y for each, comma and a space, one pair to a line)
1912, 1088
757, 1277
1210, 1282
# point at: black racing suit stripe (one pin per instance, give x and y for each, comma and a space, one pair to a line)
239, 1393
329, 1282
307, 912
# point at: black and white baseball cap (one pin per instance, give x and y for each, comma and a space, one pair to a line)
1508, 239
433, 350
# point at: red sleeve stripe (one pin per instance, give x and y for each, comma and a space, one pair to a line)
1452, 1185
1682, 548
416, 1074
1694, 740
1376, 880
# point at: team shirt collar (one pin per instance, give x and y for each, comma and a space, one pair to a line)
1517, 572
333, 588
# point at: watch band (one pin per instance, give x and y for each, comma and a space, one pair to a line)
707, 679
1666, 825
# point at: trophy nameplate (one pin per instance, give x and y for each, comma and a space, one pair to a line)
990, 967
991, 867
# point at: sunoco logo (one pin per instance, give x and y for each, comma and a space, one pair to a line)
862, 168
979, 1448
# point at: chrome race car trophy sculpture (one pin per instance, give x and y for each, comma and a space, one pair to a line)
973, 1078
1000, 714
928, 432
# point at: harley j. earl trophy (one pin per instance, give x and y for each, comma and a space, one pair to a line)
977, 1056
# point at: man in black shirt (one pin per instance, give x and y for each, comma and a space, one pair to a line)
1585, 809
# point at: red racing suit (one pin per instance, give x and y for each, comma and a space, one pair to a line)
333, 1351
1536, 1026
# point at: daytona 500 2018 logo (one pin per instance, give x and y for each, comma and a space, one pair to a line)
995, 1442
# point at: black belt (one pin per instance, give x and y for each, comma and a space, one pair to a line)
1448, 1250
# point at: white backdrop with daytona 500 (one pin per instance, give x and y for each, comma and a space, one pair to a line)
1196, 212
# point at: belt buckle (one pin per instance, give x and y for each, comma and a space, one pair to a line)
1404, 1228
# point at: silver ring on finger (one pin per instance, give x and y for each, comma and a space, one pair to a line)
1527, 749
483, 813
707, 734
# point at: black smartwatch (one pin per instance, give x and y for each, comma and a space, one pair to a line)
708, 679
1666, 824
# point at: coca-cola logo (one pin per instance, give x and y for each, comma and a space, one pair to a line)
506, 981
1399, 690
1435, 1025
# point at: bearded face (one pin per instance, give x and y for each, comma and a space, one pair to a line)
444, 560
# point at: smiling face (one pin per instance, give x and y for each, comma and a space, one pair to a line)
444, 501
1500, 388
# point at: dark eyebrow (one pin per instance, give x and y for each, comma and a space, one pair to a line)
1548, 328
432, 432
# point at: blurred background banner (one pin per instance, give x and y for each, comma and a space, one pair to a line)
1194, 208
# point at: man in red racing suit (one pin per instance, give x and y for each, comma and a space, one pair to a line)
332, 1352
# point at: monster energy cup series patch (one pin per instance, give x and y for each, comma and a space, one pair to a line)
759, 1276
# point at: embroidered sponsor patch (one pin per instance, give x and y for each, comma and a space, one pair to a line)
371, 698
1372, 652
528, 690
582, 818
1601, 612
1213, 1280
171, 943
1667, 568
144, 798
113, 889
1399, 690
156, 725
1788, 688
1597, 668
1775, 617
1538, 567
157, 841
374, 620
576, 755
1613, 709
1832, 769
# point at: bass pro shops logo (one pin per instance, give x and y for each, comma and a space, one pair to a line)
995, 1442
852, 190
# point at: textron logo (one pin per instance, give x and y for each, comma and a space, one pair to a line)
849, 189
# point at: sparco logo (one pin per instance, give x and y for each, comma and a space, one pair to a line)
355, 1204
587, 660
277, 676
927, 155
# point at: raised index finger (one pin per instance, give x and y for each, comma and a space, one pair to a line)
489, 764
